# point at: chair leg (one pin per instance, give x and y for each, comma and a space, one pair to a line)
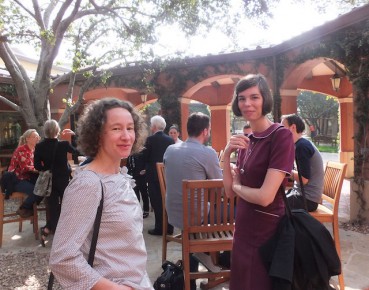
164, 229
164, 248
186, 269
1, 218
336, 238
35, 221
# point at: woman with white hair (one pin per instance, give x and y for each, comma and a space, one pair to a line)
21, 164
51, 153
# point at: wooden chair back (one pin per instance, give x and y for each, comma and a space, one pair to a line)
166, 237
208, 225
333, 179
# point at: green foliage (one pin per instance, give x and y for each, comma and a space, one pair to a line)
314, 107
7, 89
326, 148
98, 36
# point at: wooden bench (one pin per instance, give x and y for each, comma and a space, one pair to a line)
325, 140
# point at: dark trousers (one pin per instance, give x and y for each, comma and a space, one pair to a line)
156, 202
54, 201
27, 187
141, 190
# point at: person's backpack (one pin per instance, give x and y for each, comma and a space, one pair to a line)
171, 278
8, 182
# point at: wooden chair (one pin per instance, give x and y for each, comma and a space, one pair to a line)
166, 237
333, 179
202, 233
11, 216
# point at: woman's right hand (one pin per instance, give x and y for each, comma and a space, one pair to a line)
236, 142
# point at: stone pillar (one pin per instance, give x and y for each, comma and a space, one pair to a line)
220, 126
346, 150
289, 101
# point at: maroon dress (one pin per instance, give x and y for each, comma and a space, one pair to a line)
255, 224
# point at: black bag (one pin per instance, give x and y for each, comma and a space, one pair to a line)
8, 182
171, 278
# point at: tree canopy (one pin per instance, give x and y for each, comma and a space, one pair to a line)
99, 34
315, 107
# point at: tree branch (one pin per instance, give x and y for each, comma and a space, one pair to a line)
48, 11
38, 16
66, 76
25, 8
15, 107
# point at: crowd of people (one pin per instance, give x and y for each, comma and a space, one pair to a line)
111, 130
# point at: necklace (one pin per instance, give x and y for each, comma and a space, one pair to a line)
250, 149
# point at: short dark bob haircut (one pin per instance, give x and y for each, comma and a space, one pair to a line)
294, 119
91, 125
249, 81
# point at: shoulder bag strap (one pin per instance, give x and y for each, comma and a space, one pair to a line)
301, 185
95, 235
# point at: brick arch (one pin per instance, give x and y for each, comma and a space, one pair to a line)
125, 94
304, 77
216, 92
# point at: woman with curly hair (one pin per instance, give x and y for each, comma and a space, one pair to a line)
109, 130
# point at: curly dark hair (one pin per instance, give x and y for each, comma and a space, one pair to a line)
91, 123
253, 80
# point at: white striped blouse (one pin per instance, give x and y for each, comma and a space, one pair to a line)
120, 253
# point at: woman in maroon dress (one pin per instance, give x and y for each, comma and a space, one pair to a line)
265, 157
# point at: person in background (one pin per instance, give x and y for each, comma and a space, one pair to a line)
265, 158
155, 146
190, 160
136, 168
310, 166
108, 131
313, 132
22, 165
174, 133
247, 129
51, 153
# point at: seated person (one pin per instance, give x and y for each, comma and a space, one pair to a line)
247, 129
309, 165
22, 165
189, 160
